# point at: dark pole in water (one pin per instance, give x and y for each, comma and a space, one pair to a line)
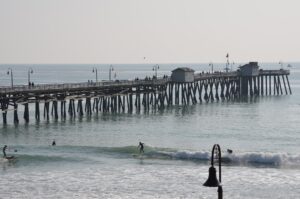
212, 180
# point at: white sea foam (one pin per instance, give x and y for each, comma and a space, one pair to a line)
277, 159
186, 155
245, 158
3, 160
143, 180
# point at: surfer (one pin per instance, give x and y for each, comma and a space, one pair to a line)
8, 157
4, 151
141, 146
229, 151
53, 143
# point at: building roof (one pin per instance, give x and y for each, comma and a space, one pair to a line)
251, 64
185, 69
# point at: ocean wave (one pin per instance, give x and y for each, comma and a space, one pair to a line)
265, 158
236, 158
22, 159
82, 153
246, 158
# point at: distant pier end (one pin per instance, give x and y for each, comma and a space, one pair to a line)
184, 87
252, 80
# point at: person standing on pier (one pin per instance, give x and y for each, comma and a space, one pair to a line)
141, 147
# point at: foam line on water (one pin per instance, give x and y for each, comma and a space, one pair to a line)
71, 153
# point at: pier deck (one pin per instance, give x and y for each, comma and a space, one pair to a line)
130, 95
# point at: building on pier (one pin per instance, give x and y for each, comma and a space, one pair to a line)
183, 74
250, 69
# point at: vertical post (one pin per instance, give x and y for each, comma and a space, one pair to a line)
96, 73
155, 68
270, 88
274, 85
266, 85
37, 110
46, 110
262, 85
279, 84
251, 89
111, 68
258, 85
9, 71
244, 86
284, 84
287, 79
26, 112
16, 118
30, 71
54, 109
4, 107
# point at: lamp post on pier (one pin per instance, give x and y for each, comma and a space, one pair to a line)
281, 64
9, 71
30, 71
155, 68
111, 68
212, 180
227, 63
212, 67
96, 72
232, 64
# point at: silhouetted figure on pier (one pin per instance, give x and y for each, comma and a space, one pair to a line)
141, 147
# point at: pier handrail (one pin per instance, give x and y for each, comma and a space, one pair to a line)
82, 85
124, 83
274, 72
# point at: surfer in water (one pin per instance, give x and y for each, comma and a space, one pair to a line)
141, 147
229, 151
4, 151
53, 143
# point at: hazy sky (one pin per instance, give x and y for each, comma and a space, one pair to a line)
163, 31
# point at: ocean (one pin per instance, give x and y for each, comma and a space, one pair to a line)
98, 157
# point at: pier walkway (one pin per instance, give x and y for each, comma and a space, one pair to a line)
138, 95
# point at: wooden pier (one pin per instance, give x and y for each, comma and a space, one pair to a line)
77, 99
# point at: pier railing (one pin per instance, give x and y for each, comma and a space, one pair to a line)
123, 83
82, 85
74, 99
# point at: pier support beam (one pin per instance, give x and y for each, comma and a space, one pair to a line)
79, 108
4, 106
16, 118
288, 82
4, 114
46, 110
37, 110
54, 111
26, 112
63, 109
244, 86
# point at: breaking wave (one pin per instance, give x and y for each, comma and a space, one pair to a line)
82, 153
